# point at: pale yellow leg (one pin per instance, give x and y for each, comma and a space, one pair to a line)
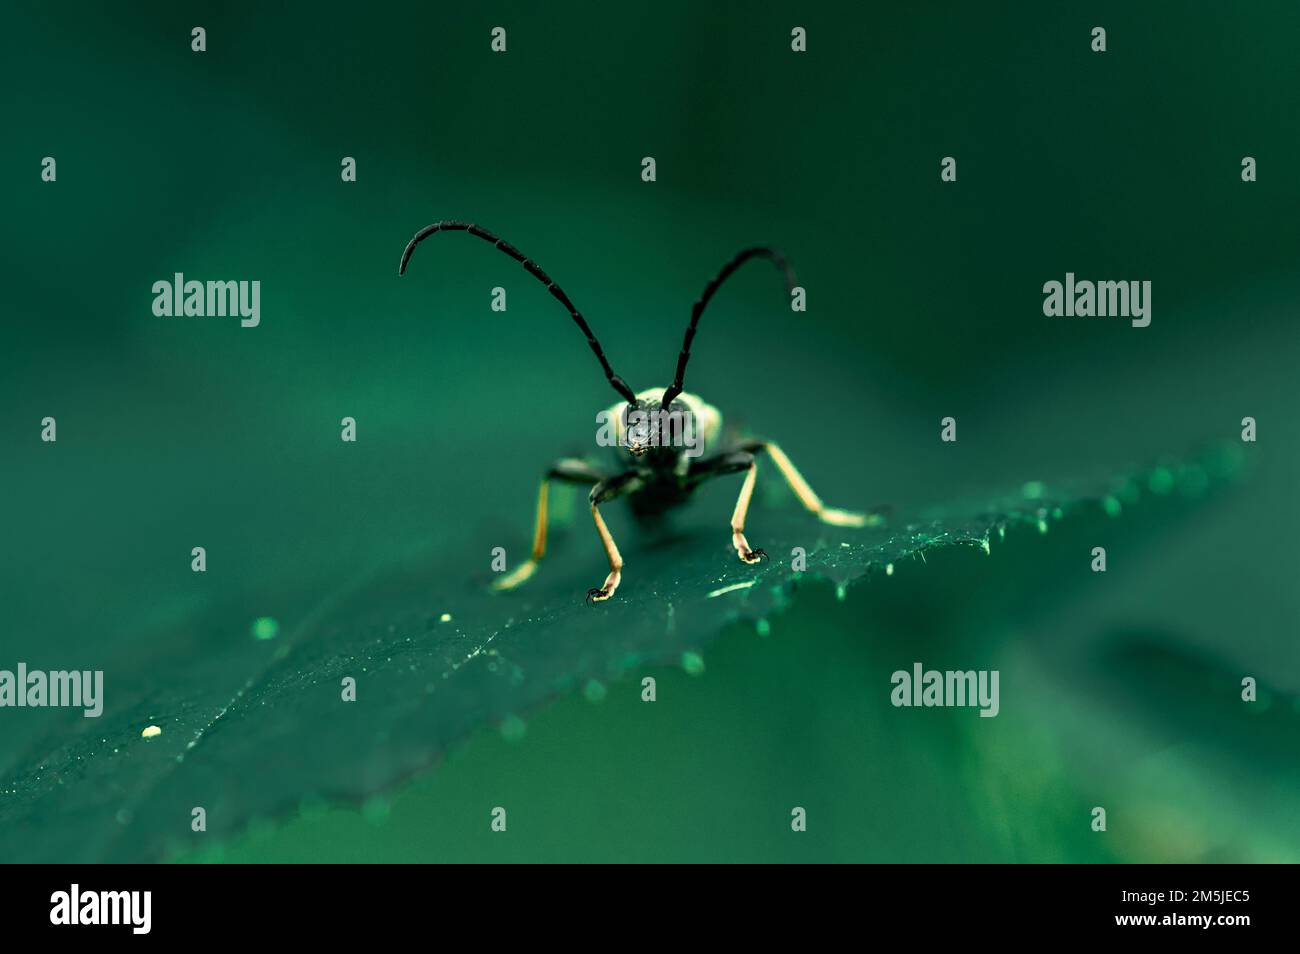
831, 515
738, 518
570, 470
523, 571
615, 559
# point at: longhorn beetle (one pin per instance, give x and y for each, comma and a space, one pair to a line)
651, 431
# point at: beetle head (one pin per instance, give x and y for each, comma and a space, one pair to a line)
650, 429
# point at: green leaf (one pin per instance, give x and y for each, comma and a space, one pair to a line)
260, 729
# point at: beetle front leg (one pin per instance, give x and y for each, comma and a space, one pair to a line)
733, 463
743, 550
609, 490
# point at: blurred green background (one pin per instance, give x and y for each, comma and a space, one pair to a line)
924, 301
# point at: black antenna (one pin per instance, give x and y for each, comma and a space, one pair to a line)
741, 258
615, 381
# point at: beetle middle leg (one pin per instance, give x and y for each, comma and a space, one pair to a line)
569, 470
805, 493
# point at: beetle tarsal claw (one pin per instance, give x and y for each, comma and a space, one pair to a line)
602, 593
743, 549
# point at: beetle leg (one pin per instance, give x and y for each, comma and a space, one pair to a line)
733, 463
610, 489
738, 540
569, 470
806, 495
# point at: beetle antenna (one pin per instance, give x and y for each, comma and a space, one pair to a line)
758, 251
531, 267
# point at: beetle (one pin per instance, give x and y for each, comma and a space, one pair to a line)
658, 434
